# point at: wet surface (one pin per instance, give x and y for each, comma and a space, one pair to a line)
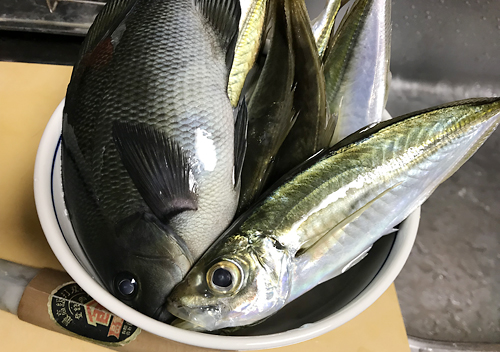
449, 288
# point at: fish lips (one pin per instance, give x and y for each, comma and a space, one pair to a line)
207, 317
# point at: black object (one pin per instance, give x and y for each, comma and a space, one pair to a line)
222, 278
126, 284
42, 48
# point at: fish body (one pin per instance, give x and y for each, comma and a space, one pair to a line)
356, 67
313, 127
287, 109
322, 26
270, 108
252, 25
149, 143
327, 212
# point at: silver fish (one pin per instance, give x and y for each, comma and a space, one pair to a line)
356, 66
322, 217
251, 30
151, 146
322, 26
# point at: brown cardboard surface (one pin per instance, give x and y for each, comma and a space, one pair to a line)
29, 94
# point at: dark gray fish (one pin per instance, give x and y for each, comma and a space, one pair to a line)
152, 148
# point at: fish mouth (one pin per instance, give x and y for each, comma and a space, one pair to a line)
197, 318
185, 325
163, 315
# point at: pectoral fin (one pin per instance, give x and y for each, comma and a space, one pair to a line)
324, 242
158, 167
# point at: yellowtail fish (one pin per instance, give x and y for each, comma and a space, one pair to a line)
251, 30
322, 25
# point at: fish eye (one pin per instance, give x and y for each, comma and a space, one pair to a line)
224, 277
126, 285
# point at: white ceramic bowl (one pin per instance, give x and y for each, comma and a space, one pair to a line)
307, 317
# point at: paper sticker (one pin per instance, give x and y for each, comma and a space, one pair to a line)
74, 310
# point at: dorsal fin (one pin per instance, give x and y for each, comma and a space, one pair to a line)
98, 43
106, 22
224, 17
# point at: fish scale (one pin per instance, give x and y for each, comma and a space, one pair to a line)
178, 102
419, 181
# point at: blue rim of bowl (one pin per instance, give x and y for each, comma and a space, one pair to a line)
52, 182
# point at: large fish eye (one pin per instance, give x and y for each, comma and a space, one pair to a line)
126, 285
224, 277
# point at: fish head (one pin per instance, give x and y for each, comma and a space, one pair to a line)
241, 280
146, 262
